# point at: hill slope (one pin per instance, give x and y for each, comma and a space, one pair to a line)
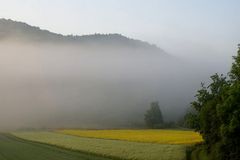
19, 31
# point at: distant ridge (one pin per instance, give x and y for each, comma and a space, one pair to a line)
20, 31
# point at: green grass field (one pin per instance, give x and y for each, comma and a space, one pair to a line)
110, 148
12, 148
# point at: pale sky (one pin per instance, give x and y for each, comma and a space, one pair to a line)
181, 27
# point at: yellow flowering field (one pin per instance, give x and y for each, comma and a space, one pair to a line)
148, 136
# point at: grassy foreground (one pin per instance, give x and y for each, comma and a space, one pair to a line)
199, 154
12, 148
148, 136
109, 148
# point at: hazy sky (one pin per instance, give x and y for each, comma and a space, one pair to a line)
182, 27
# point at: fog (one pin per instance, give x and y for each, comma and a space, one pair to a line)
44, 85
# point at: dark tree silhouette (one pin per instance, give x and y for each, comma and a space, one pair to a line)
153, 116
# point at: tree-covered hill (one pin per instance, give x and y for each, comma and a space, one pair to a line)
19, 31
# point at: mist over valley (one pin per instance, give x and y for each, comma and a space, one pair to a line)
49, 80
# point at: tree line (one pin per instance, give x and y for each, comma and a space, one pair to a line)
215, 114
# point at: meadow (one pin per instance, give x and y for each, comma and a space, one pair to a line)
120, 144
148, 136
116, 149
12, 148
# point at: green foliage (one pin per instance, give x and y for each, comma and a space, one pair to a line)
191, 120
235, 71
216, 114
153, 116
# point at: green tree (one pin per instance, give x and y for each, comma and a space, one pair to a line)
235, 70
153, 116
216, 114
229, 115
204, 117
